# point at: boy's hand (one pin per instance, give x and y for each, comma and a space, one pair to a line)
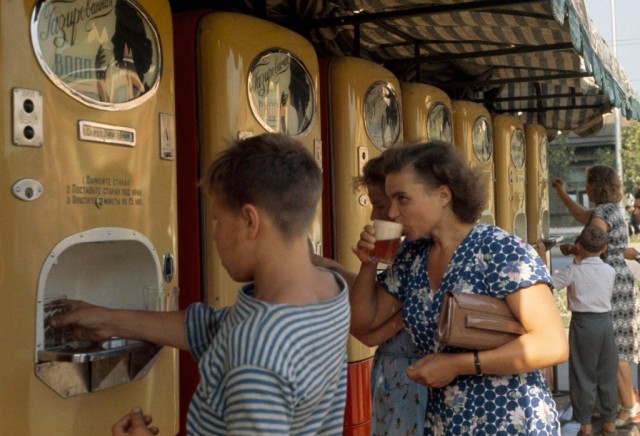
86, 321
566, 249
135, 424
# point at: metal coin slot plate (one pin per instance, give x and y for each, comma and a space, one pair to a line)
27, 189
27, 117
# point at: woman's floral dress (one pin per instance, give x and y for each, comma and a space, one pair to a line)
625, 299
399, 403
489, 261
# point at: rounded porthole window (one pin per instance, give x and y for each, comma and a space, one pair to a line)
439, 123
382, 115
482, 139
106, 55
544, 152
281, 92
518, 148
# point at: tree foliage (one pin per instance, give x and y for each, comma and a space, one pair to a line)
605, 155
561, 157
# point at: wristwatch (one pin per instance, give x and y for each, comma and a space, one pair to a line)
476, 363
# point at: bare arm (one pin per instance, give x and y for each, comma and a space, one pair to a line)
331, 264
89, 322
389, 328
631, 253
371, 305
544, 344
577, 211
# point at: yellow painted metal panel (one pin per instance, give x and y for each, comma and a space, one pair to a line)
510, 182
225, 56
537, 182
137, 191
349, 80
465, 115
417, 100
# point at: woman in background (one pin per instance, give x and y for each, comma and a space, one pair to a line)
604, 189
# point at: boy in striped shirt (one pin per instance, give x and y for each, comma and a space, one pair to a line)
275, 362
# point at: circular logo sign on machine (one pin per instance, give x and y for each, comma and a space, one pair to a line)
544, 153
482, 139
518, 148
382, 115
104, 54
281, 92
440, 123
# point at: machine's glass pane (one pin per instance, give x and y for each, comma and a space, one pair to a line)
382, 115
439, 123
544, 152
518, 148
482, 139
104, 54
281, 92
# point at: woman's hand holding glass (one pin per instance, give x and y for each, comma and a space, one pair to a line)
365, 245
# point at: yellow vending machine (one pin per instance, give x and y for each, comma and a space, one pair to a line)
537, 183
426, 113
363, 119
250, 82
88, 171
473, 136
538, 200
236, 76
509, 149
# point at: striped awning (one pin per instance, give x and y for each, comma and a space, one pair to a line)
540, 60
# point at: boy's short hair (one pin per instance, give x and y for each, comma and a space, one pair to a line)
272, 171
593, 238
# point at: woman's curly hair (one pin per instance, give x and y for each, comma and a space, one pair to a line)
436, 164
605, 184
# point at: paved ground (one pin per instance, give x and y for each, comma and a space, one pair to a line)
570, 427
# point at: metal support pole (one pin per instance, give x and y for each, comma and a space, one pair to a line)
616, 111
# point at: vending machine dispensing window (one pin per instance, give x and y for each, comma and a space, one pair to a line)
81, 267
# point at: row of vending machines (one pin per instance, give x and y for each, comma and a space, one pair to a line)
112, 111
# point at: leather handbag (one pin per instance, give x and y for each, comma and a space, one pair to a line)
476, 322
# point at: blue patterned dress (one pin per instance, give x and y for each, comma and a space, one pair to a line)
625, 300
399, 404
488, 261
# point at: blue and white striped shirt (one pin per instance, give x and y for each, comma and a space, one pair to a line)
269, 368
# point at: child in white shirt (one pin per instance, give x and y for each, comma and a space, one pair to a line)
593, 356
